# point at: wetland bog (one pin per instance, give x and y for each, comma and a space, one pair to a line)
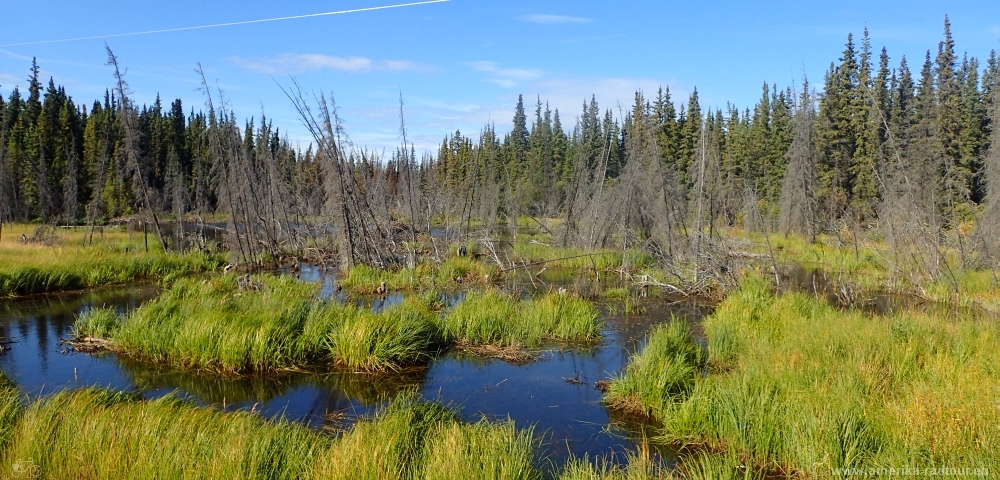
554, 394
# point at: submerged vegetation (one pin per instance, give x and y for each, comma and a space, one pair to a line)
243, 324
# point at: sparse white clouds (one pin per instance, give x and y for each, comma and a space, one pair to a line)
8, 80
505, 77
543, 19
568, 93
404, 66
309, 62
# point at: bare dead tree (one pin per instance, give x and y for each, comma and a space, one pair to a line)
798, 207
131, 143
362, 238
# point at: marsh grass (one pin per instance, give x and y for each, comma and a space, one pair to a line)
67, 265
799, 387
102, 434
95, 433
213, 324
450, 274
492, 318
575, 258
480, 451
97, 323
11, 409
638, 467
402, 335
389, 447
661, 376
869, 266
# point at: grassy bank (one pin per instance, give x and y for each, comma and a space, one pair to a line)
218, 325
664, 374
66, 264
800, 387
101, 434
870, 265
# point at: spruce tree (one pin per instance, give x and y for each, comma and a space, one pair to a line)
948, 145
864, 189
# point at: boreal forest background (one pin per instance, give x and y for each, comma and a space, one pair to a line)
64, 161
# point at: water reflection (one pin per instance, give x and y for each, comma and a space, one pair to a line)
569, 415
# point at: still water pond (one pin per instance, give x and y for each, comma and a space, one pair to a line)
568, 415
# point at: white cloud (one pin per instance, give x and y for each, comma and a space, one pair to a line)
8, 80
14, 55
405, 65
543, 19
505, 77
308, 62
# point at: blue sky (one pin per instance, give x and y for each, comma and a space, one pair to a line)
462, 63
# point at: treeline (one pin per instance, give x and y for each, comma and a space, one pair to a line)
877, 147
538, 165
869, 116
67, 163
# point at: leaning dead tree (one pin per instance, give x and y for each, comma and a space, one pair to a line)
133, 163
361, 236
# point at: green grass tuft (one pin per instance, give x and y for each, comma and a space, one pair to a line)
481, 450
661, 376
216, 325
491, 318
402, 335
798, 386
97, 323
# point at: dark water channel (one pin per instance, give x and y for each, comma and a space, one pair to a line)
568, 416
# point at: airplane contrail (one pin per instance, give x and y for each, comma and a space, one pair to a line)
230, 24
